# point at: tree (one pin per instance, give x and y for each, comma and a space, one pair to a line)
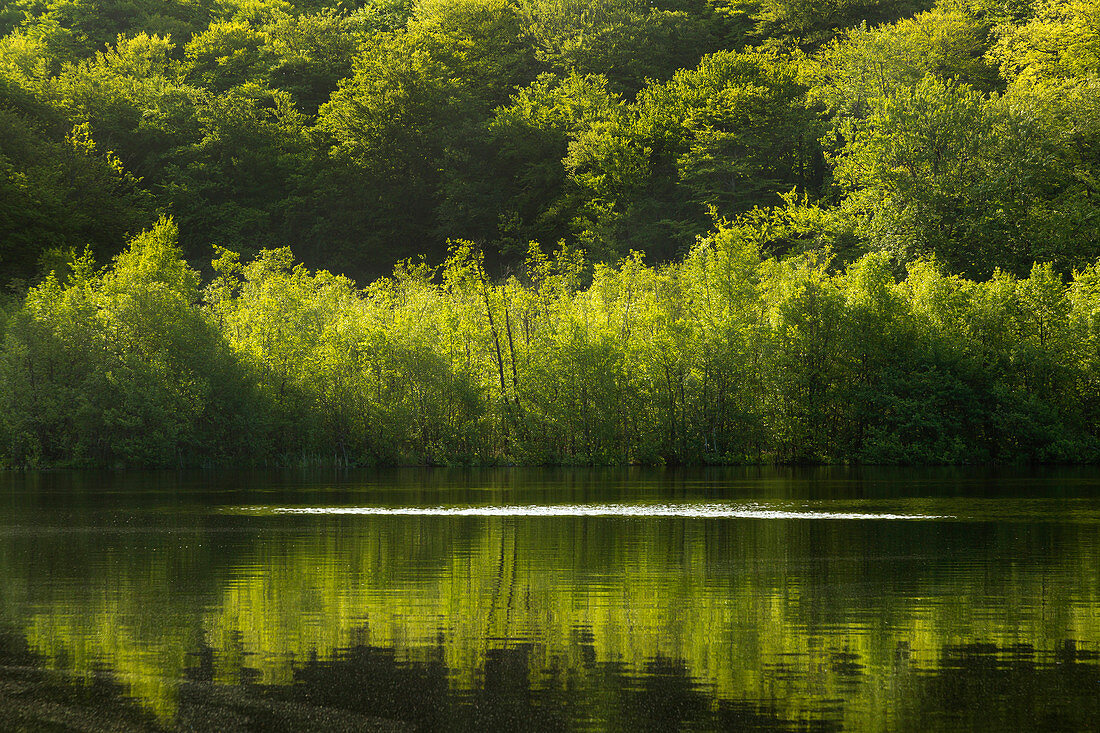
603, 37
515, 189
867, 63
728, 135
59, 196
1061, 41
121, 368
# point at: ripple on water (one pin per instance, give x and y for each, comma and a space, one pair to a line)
691, 511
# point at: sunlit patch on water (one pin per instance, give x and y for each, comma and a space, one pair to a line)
692, 511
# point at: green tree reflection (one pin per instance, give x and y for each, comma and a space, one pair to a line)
846, 623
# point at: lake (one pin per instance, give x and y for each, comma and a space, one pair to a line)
627, 599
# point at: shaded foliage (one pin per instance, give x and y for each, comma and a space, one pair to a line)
366, 133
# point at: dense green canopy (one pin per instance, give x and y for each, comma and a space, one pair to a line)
842, 205
362, 134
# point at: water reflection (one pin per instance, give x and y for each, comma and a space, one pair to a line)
173, 611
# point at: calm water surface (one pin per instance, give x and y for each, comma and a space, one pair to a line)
759, 599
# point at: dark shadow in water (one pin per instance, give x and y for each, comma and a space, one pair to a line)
983, 687
371, 682
975, 687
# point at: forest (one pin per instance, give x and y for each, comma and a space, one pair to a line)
257, 232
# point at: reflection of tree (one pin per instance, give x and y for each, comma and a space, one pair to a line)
34, 699
475, 622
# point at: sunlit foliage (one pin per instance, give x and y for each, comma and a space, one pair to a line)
826, 142
726, 356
